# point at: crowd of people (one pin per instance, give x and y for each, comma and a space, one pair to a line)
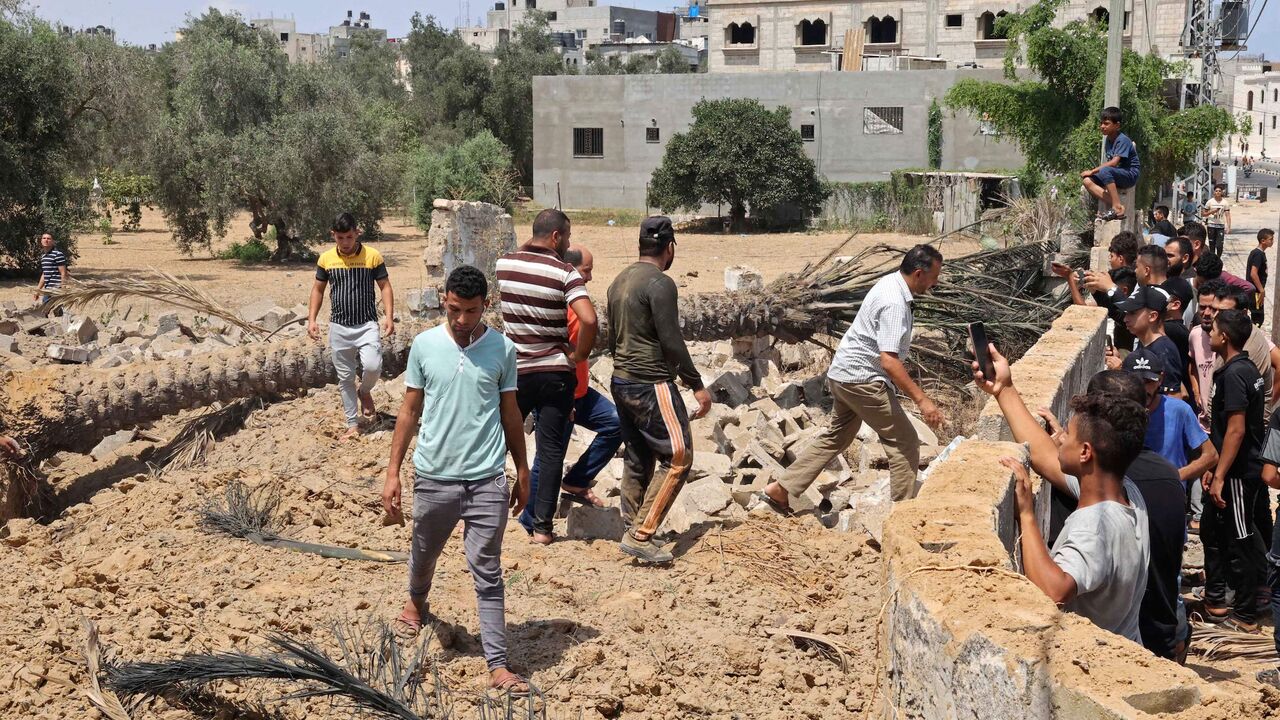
1175, 437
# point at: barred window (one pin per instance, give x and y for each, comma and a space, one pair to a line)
588, 142
882, 121
806, 133
651, 135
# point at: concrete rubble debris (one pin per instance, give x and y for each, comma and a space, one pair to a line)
85, 330
593, 523
8, 344
70, 353
466, 233
739, 278
112, 443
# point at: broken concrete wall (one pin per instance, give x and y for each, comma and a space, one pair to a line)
466, 233
965, 636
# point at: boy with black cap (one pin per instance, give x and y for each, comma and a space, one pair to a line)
1234, 549
1173, 430
1143, 316
648, 354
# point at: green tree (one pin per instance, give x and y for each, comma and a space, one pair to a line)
118, 107
370, 68
1052, 111
508, 106
741, 154
450, 80
666, 61
479, 169
292, 145
39, 94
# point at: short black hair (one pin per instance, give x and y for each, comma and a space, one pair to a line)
1182, 241
1241, 298
1163, 209
1220, 186
1113, 114
920, 257
1195, 231
1211, 287
1115, 425
467, 282
1209, 266
1125, 278
549, 221
1155, 257
1236, 325
1125, 244
344, 222
573, 257
1118, 382
1265, 233
1191, 194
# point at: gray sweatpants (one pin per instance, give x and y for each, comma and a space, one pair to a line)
481, 505
348, 345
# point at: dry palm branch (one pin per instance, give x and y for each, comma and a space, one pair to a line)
371, 672
162, 287
1215, 642
251, 514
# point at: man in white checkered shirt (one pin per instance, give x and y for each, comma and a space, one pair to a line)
865, 377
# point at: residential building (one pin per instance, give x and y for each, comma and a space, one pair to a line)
640, 46
1251, 89
598, 139
754, 35
590, 24
312, 47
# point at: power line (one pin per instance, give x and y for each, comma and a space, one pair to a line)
1251, 29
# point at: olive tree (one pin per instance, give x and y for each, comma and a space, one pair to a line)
738, 153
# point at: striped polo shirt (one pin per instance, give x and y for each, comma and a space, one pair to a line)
535, 288
351, 279
49, 264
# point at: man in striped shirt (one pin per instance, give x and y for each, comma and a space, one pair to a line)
865, 377
351, 269
53, 268
536, 289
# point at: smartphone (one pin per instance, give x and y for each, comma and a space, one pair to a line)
1111, 344
978, 334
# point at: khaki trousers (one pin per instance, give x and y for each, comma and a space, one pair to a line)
876, 404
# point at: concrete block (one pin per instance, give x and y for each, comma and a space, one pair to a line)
740, 278
593, 523
168, 323
712, 465
467, 233
815, 390
8, 344
112, 443
708, 496
68, 354
256, 311
85, 330
789, 395
37, 326
9, 327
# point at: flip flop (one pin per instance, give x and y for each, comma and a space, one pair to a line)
406, 628
1111, 215
509, 686
762, 497
1236, 624
581, 498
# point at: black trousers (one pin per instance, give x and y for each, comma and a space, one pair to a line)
550, 396
1215, 237
655, 433
1235, 553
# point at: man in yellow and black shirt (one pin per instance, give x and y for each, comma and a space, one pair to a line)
351, 269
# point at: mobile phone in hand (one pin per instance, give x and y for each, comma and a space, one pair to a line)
978, 334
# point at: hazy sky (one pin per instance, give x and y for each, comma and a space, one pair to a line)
153, 21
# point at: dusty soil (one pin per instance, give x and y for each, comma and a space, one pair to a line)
594, 631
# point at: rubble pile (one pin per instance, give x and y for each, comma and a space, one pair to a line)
29, 338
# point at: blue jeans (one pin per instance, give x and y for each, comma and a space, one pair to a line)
594, 412
1121, 177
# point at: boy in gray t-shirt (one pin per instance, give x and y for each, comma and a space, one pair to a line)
1105, 548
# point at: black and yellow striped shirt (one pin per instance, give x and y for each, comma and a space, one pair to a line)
351, 281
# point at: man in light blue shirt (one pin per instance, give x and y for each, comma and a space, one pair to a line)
460, 389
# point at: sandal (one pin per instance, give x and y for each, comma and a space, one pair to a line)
513, 685
761, 496
1111, 215
1236, 624
581, 496
406, 628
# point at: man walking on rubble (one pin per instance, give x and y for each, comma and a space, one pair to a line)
648, 354
865, 376
351, 269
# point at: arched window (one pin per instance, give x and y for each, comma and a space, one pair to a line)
1249, 101
744, 34
1100, 15
812, 33
987, 25
882, 31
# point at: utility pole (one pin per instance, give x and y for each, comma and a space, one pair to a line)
1115, 42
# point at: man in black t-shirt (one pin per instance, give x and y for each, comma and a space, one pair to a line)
1162, 226
1234, 549
1256, 272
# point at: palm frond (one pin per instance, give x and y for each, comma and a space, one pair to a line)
189, 447
159, 286
1216, 642
105, 702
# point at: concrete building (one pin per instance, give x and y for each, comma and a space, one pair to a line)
640, 46
754, 35
598, 139
312, 47
1253, 91
590, 23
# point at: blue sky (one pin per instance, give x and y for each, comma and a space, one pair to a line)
153, 21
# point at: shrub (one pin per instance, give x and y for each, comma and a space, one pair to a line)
251, 251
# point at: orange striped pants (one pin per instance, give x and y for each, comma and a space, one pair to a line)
658, 452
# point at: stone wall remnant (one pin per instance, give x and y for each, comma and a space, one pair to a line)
466, 233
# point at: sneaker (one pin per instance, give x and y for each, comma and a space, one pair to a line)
1270, 677
646, 551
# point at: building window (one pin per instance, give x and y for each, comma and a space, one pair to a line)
882, 121
806, 133
651, 135
744, 34
551, 16
588, 142
582, 34
987, 25
1259, 128
955, 21
1273, 122
532, 4
882, 31
1249, 101
1100, 15
811, 33
1275, 95
284, 37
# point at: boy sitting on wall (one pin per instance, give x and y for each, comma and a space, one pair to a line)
1119, 171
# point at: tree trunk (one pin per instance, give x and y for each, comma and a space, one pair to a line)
737, 217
